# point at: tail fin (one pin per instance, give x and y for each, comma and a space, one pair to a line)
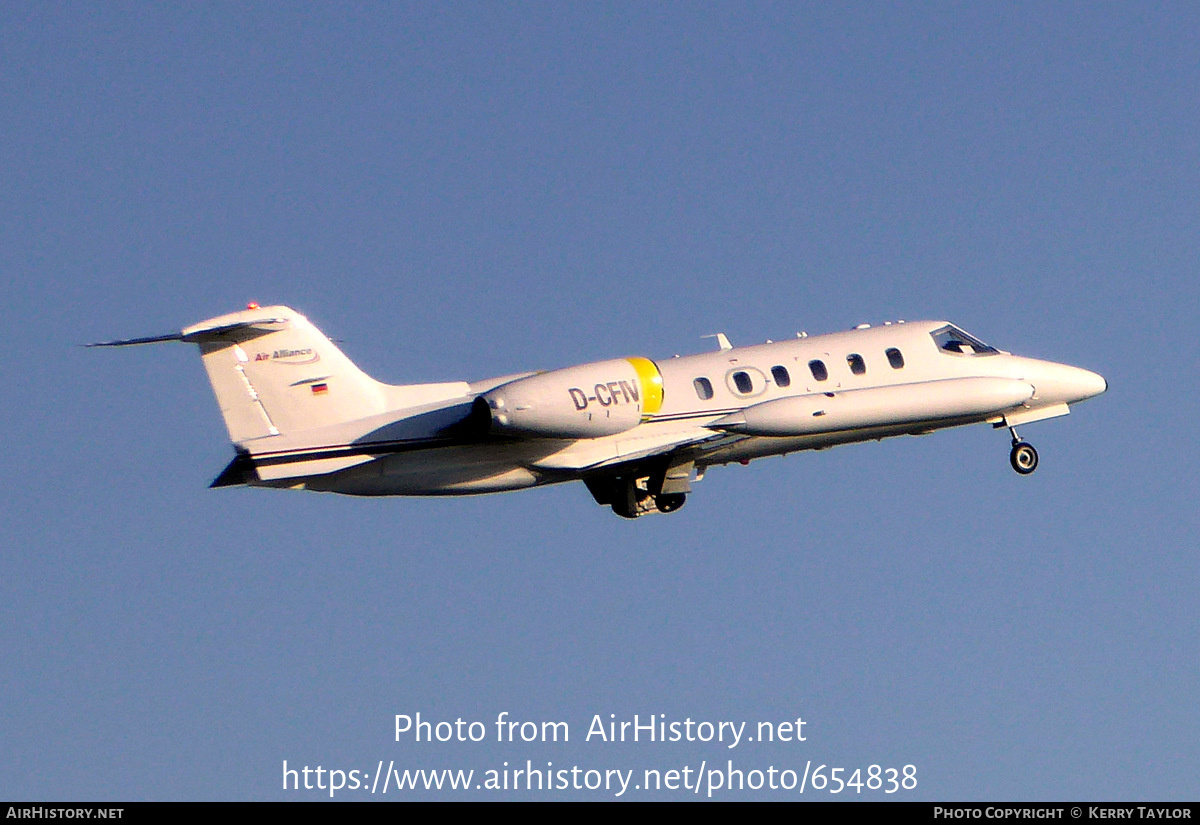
282, 386
274, 372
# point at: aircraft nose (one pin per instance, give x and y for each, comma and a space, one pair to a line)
1081, 384
1061, 383
1098, 383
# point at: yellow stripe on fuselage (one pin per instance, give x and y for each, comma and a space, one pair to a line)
652, 384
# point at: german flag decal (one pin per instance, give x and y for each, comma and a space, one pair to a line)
320, 389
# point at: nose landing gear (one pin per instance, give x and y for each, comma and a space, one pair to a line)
1023, 457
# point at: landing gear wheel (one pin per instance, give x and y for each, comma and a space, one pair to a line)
631, 499
1023, 458
669, 502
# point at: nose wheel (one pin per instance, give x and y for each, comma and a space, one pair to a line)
1023, 458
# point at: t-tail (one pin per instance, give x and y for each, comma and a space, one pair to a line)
284, 388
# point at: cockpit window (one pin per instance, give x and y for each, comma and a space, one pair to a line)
952, 339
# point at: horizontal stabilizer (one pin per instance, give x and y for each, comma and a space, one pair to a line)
129, 342
239, 471
199, 333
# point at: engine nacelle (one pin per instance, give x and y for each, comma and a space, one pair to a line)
588, 401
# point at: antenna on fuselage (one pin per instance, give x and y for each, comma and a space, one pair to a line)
722, 340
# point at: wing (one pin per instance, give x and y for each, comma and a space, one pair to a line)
637, 474
590, 456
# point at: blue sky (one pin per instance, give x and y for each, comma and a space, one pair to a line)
455, 191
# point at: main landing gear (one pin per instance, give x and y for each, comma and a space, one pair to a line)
669, 502
632, 500
631, 496
1023, 457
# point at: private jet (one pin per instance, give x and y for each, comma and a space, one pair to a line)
637, 432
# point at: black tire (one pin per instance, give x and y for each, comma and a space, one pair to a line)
669, 502
1023, 458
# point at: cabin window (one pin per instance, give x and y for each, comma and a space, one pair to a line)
746, 381
857, 365
818, 370
780, 374
895, 358
703, 388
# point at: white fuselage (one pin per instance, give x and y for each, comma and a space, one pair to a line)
301, 415
730, 405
